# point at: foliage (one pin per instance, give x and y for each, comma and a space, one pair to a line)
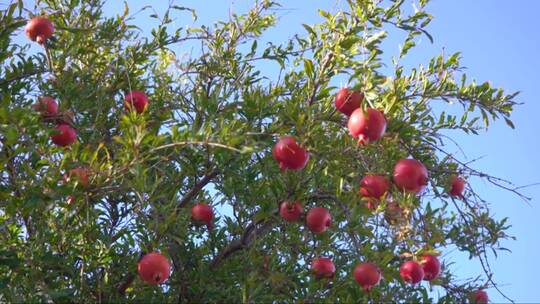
207, 136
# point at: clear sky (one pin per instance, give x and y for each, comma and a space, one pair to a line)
500, 42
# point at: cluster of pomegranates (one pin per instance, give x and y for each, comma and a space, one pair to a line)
65, 134
40, 29
318, 219
153, 267
367, 125
409, 175
367, 274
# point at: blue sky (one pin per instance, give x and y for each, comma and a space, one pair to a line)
499, 42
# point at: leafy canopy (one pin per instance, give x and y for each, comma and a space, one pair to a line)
219, 100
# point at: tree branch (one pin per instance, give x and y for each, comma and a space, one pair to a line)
198, 187
20, 77
130, 277
252, 232
324, 65
195, 143
128, 280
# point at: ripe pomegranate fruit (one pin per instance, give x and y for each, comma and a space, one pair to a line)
367, 126
39, 29
367, 275
410, 175
81, 174
154, 268
136, 100
323, 268
431, 266
374, 186
291, 211
204, 213
289, 154
479, 297
346, 101
457, 186
393, 212
318, 219
46, 105
411, 272
65, 135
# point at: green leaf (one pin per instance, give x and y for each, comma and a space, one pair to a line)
375, 38
308, 66
348, 42
509, 123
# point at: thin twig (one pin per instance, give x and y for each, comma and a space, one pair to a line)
198, 187
195, 143
251, 232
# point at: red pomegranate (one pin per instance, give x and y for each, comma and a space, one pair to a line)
479, 297
136, 100
39, 29
346, 101
367, 126
154, 268
374, 186
64, 136
291, 211
411, 272
323, 268
393, 212
70, 199
318, 219
46, 105
457, 187
289, 154
367, 275
431, 266
82, 175
410, 175
204, 213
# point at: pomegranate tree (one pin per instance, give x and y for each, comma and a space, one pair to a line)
162, 129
